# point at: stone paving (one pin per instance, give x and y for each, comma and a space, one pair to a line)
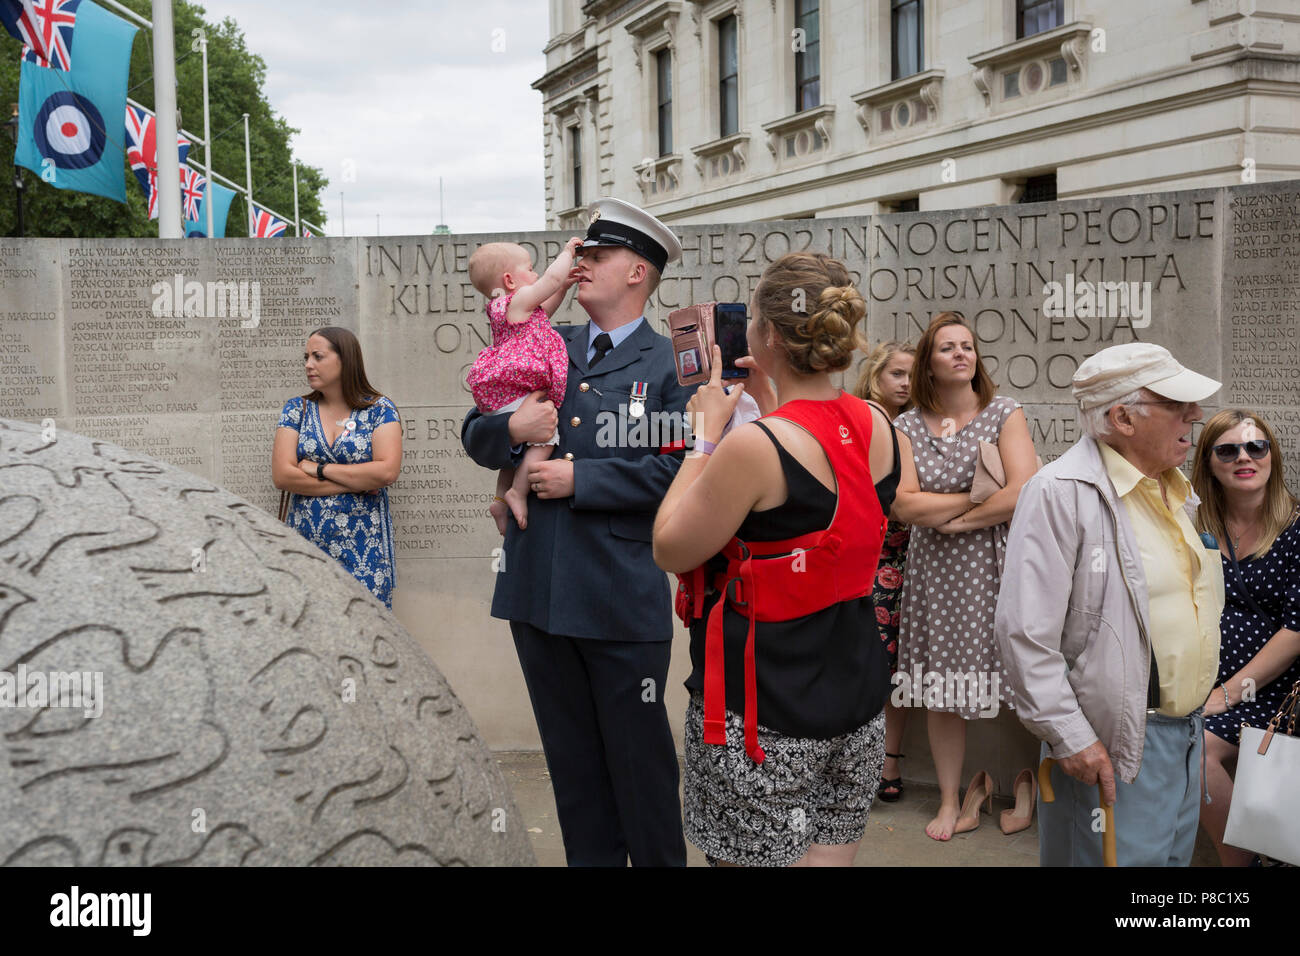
895, 832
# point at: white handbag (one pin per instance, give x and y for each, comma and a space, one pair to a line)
1263, 816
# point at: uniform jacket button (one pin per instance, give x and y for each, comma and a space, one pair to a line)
584, 387
568, 456
575, 421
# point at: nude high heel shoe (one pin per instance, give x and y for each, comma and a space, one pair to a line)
1026, 792
979, 792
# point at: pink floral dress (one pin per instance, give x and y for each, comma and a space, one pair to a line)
522, 358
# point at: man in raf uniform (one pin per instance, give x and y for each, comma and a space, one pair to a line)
590, 613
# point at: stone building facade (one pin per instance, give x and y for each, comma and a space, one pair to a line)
713, 111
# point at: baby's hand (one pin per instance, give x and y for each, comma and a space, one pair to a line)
571, 247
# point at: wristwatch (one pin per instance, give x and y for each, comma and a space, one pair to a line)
320, 470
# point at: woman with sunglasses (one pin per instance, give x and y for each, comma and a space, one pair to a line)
1247, 507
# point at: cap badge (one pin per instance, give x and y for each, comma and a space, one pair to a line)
594, 216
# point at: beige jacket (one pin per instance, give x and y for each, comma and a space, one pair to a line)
1072, 618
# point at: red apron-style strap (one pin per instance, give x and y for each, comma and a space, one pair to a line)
751, 676
715, 679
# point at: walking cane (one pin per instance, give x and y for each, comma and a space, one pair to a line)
1107, 835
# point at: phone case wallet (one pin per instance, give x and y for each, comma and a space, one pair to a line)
691, 330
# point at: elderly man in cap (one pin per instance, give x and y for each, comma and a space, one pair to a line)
590, 613
1108, 617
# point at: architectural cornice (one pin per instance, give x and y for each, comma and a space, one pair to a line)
600, 8
659, 19
653, 19
560, 39
567, 75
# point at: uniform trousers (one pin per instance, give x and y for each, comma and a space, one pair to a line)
1155, 816
609, 749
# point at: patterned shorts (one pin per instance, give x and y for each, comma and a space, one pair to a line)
806, 791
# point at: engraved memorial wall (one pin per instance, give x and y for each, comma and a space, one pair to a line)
1212, 274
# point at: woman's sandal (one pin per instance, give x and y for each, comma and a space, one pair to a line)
887, 784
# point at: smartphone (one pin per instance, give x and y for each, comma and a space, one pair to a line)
730, 321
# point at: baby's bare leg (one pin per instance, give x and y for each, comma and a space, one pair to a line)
498, 509
517, 496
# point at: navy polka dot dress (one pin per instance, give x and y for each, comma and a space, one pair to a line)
1274, 583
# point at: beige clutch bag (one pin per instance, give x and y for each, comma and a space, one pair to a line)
990, 475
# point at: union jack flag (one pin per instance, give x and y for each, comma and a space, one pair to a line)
307, 233
193, 185
266, 226
20, 20
141, 151
50, 42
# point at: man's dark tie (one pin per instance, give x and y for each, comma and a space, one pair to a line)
604, 345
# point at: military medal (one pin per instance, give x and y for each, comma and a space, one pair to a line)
637, 407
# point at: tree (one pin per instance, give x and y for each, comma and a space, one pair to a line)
235, 80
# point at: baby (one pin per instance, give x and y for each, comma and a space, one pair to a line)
526, 354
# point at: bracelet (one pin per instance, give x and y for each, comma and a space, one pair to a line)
320, 471
498, 498
1226, 704
705, 447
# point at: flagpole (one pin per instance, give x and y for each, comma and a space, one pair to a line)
297, 223
164, 97
248, 176
207, 141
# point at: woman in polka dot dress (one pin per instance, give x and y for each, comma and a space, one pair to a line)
957, 549
1246, 506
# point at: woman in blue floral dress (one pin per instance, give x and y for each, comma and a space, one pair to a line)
337, 450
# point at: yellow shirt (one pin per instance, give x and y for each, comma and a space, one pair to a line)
1184, 583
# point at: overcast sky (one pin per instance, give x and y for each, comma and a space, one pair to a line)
407, 91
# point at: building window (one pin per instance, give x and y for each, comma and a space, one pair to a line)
906, 27
1040, 189
664, 64
1036, 16
807, 61
909, 204
575, 146
728, 73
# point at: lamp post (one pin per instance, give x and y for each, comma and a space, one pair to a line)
12, 126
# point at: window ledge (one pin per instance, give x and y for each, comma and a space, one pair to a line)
1070, 40
735, 147
925, 86
572, 218
818, 120
659, 177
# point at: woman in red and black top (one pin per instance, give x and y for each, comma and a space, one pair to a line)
784, 731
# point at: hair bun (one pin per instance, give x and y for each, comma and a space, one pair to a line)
821, 338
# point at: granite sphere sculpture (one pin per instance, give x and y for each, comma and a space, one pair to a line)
185, 680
